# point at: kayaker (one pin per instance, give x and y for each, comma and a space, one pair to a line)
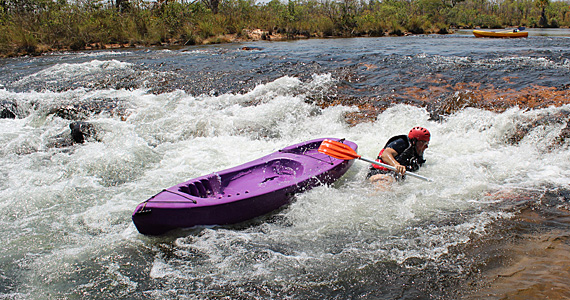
405, 153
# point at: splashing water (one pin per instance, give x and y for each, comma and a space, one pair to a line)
65, 220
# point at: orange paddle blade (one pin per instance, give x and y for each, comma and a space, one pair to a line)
337, 150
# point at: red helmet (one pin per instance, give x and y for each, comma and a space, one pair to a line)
419, 133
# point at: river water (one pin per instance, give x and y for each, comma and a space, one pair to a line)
494, 223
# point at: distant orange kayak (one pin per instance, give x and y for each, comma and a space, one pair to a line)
500, 34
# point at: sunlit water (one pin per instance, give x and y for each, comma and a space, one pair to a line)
171, 115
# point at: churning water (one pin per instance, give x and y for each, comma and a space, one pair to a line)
158, 117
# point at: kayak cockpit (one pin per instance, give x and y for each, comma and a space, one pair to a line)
268, 174
203, 188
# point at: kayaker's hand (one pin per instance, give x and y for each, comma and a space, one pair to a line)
400, 169
388, 157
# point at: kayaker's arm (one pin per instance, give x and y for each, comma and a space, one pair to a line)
388, 158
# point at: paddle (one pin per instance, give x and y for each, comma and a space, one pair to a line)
341, 151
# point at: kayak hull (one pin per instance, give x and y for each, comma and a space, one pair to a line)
240, 193
493, 34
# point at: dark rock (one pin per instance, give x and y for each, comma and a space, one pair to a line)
8, 109
80, 131
522, 130
84, 109
452, 104
251, 48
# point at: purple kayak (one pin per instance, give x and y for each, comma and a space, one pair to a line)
241, 193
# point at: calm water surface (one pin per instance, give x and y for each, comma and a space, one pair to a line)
493, 224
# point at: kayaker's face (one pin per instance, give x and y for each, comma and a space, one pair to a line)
421, 146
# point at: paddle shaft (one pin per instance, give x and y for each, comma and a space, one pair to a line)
394, 169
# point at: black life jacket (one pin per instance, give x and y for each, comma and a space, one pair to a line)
408, 158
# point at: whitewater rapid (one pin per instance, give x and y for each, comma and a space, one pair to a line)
65, 211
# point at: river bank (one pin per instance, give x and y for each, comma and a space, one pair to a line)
244, 36
40, 27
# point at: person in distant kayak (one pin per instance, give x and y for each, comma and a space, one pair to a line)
405, 153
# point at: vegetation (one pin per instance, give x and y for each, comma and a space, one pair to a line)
36, 26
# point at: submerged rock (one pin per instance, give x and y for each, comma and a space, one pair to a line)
451, 104
80, 132
522, 130
8, 109
84, 109
533, 246
251, 48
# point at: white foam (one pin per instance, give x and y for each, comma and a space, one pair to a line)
72, 71
88, 191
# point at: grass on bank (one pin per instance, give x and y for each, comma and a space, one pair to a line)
37, 26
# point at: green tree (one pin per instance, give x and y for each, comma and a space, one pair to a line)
542, 4
213, 5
